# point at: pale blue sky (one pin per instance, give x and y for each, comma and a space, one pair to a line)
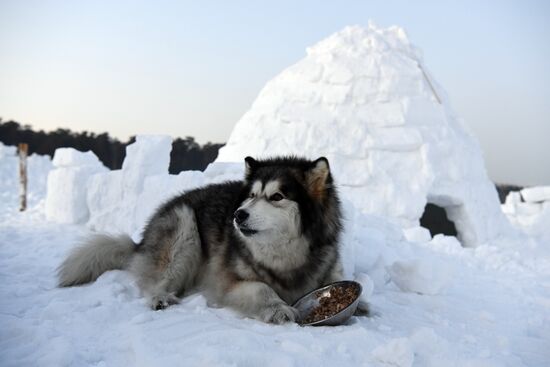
193, 68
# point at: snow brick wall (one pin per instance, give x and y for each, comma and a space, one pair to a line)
112, 197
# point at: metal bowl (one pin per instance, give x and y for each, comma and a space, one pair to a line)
310, 301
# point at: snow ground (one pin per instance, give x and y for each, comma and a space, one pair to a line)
492, 309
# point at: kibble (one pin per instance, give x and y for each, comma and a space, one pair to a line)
331, 302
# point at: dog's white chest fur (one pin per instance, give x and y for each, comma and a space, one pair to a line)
282, 254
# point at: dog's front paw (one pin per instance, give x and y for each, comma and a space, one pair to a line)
279, 313
162, 301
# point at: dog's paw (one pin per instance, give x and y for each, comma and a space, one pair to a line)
279, 313
162, 301
363, 309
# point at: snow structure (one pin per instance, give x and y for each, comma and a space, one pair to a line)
529, 210
66, 200
113, 196
123, 200
363, 98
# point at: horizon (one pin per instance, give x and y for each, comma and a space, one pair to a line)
184, 69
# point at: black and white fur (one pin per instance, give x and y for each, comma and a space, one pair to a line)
255, 245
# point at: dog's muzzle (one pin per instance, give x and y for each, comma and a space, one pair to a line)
240, 217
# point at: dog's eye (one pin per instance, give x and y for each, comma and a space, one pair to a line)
276, 197
252, 195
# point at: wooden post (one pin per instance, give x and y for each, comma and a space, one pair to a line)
23, 150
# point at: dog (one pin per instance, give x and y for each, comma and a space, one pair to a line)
255, 245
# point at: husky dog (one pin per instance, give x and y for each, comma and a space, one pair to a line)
255, 245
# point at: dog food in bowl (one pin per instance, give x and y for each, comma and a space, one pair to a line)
331, 305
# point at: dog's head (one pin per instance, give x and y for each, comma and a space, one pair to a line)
282, 197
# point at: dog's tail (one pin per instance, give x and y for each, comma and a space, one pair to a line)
95, 256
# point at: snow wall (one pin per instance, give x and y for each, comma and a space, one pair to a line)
529, 210
66, 200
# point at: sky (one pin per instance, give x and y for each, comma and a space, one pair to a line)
193, 68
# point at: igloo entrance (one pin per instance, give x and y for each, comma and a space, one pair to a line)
447, 215
436, 220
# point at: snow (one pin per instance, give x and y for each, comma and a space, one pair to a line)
434, 301
417, 234
419, 275
38, 168
536, 194
397, 352
367, 286
491, 310
66, 200
112, 196
7, 151
70, 157
488, 317
531, 216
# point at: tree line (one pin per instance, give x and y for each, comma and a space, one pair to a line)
186, 153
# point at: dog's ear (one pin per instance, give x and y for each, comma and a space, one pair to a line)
316, 178
250, 165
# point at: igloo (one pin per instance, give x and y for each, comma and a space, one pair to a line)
363, 98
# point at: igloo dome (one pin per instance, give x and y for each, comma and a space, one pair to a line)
363, 98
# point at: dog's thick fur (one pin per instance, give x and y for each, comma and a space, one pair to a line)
255, 245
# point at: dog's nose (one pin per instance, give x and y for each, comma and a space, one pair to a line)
240, 216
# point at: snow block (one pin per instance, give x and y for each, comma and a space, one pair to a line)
70, 157
417, 234
66, 187
148, 156
159, 189
531, 216
105, 198
536, 194
114, 197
